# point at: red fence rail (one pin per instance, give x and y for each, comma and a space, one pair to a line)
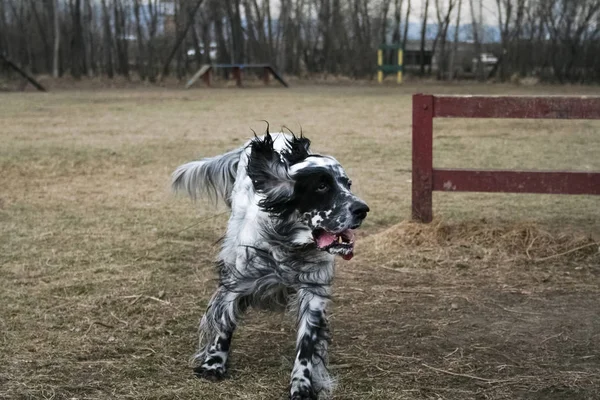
426, 179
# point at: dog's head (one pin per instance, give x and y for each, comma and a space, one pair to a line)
312, 188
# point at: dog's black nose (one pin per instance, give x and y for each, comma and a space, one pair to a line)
359, 210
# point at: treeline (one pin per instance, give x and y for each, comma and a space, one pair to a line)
552, 39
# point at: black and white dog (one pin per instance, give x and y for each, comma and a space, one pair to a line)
292, 211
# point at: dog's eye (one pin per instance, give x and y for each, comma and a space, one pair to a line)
323, 187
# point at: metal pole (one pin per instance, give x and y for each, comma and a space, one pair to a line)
379, 64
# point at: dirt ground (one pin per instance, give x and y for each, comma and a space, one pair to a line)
105, 273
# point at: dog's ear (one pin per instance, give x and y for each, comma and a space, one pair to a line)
298, 149
270, 175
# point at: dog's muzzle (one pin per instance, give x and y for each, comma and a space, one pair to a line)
342, 243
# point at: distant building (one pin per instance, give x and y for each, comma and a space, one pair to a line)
412, 54
465, 63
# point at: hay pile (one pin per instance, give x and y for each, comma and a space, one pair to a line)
477, 246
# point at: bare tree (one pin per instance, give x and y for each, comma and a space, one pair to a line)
56, 54
504, 10
385, 8
236, 33
4, 29
339, 41
397, 35
207, 33
41, 24
190, 16
555, 40
452, 70
406, 19
443, 19
267, 5
108, 42
477, 40
22, 50
568, 24
77, 50
141, 56
88, 38
121, 18
152, 24
254, 37
423, 36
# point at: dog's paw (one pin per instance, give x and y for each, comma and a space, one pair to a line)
304, 393
212, 373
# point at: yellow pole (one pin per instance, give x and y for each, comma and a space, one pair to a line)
400, 61
379, 63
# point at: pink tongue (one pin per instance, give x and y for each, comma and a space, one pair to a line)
326, 239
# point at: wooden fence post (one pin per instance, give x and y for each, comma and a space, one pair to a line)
422, 157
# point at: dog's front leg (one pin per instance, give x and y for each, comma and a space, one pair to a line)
310, 376
216, 331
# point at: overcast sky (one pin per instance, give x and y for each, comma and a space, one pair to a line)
488, 7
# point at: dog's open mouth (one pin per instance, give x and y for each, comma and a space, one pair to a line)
335, 243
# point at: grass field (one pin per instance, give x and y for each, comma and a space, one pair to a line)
105, 274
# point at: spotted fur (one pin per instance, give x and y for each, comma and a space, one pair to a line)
282, 197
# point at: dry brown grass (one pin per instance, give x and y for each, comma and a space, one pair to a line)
105, 274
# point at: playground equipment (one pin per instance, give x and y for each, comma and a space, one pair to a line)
22, 72
397, 55
237, 70
426, 179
